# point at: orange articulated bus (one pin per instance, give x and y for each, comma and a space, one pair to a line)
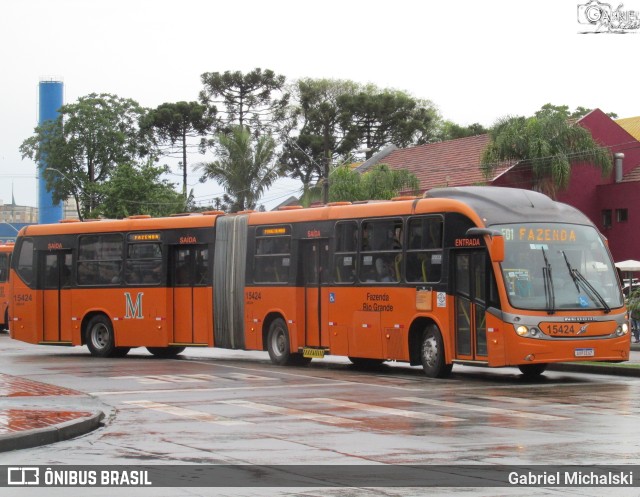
6, 249
475, 275
113, 285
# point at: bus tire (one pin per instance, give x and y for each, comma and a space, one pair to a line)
165, 352
278, 344
432, 354
100, 336
533, 370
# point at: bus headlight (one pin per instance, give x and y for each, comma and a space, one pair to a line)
622, 329
522, 330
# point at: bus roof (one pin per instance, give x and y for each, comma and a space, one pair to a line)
501, 205
484, 205
130, 224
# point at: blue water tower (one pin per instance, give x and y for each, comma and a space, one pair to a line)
51, 99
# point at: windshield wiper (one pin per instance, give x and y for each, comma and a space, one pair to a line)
578, 278
548, 284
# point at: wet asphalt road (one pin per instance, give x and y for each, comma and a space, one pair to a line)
227, 407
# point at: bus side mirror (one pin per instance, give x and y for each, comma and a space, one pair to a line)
496, 242
497, 248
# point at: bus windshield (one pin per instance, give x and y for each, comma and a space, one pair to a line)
550, 266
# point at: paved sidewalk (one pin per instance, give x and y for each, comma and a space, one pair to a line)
40, 423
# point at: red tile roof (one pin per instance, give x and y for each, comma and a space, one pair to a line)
448, 163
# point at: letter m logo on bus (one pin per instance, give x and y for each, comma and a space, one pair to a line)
133, 311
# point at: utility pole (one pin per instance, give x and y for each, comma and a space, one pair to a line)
327, 160
325, 182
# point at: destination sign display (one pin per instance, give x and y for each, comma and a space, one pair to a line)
144, 237
274, 230
539, 234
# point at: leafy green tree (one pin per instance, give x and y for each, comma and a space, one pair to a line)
564, 110
322, 137
256, 100
337, 118
173, 124
548, 143
379, 183
375, 117
382, 182
83, 146
452, 131
135, 190
244, 168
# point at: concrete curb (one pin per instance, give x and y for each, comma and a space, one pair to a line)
51, 434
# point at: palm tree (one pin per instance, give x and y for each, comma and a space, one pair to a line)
244, 169
548, 143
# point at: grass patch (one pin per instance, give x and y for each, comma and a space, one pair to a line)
629, 365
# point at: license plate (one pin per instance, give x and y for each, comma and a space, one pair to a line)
584, 353
316, 353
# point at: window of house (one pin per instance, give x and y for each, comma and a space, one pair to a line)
622, 215
606, 218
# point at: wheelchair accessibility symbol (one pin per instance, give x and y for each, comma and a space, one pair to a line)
332, 298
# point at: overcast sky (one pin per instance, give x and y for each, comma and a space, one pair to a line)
475, 60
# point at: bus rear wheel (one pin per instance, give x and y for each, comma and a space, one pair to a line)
532, 370
279, 346
165, 352
100, 338
432, 354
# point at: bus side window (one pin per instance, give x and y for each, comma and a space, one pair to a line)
381, 257
144, 264
272, 260
100, 259
202, 266
25, 261
346, 245
4, 259
424, 254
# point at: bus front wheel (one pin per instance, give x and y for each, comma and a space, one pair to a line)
100, 337
432, 354
532, 370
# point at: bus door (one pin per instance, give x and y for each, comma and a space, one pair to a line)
56, 299
470, 305
191, 294
313, 262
